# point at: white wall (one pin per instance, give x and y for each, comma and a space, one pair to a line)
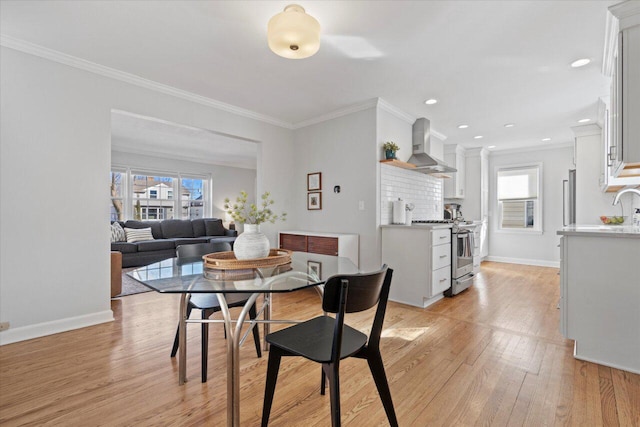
531, 248
55, 160
346, 152
227, 181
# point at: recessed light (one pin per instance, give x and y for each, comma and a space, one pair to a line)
491, 146
584, 120
580, 62
431, 101
546, 139
509, 125
463, 126
477, 137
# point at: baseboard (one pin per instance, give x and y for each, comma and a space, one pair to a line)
524, 261
54, 327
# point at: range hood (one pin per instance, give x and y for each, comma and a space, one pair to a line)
421, 144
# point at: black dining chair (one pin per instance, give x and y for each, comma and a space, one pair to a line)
327, 340
208, 303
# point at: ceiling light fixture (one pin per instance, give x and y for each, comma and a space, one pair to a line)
293, 34
546, 139
491, 146
584, 120
431, 101
477, 137
509, 125
580, 62
463, 126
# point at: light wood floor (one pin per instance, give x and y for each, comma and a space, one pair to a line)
491, 356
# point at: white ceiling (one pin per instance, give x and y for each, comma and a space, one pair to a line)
487, 62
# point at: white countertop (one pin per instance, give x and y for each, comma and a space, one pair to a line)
601, 231
316, 233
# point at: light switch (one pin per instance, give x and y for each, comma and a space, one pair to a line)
361, 205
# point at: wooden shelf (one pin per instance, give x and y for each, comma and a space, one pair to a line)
398, 163
404, 165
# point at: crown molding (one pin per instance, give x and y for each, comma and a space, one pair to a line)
531, 148
586, 130
92, 67
391, 109
82, 64
354, 108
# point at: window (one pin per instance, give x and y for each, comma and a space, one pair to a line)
519, 201
117, 187
150, 196
192, 192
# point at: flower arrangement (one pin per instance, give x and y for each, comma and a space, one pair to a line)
390, 146
251, 214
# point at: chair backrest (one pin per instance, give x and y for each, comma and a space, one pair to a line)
199, 249
363, 291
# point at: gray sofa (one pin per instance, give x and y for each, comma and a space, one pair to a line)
167, 236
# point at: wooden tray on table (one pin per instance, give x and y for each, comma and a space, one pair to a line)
219, 265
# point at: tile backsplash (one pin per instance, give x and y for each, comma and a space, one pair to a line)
424, 191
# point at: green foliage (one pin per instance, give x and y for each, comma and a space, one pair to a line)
242, 213
390, 145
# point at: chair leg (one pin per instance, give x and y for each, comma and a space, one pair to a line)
374, 359
176, 340
256, 333
270, 384
332, 371
204, 342
323, 380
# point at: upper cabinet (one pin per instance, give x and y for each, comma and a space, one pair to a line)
454, 156
622, 63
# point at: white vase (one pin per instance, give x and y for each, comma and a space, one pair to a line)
251, 244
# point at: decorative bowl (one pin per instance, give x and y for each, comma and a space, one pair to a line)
613, 220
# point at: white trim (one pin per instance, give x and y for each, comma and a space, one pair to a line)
338, 113
82, 64
600, 362
54, 327
610, 43
586, 130
529, 148
384, 105
524, 261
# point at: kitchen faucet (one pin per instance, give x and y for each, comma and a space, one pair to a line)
616, 200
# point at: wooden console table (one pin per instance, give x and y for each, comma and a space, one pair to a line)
336, 244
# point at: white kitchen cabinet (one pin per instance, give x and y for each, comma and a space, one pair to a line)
421, 261
622, 64
600, 295
454, 188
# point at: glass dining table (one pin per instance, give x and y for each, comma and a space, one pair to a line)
186, 276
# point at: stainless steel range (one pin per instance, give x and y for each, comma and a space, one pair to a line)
461, 258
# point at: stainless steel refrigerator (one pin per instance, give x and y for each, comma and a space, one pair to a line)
569, 199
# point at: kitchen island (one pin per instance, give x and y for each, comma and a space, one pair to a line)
600, 293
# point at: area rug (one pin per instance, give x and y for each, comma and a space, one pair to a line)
130, 286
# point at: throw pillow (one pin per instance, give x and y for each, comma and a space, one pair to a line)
214, 227
117, 233
138, 234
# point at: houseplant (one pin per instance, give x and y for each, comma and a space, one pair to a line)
252, 243
390, 149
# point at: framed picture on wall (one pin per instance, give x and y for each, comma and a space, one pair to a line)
314, 181
314, 201
314, 269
